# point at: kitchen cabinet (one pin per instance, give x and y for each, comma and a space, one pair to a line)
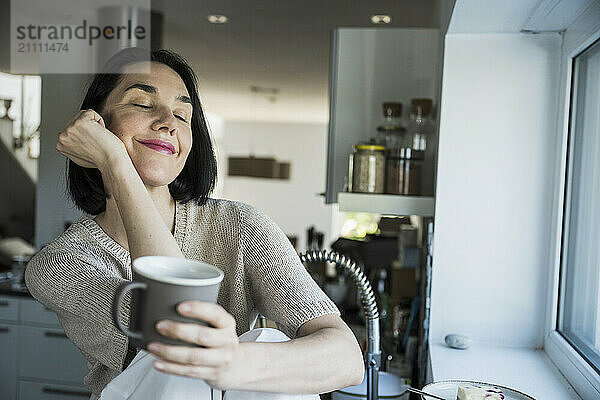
9, 309
388, 204
8, 360
32, 312
47, 353
38, 361
50, 391
370, 66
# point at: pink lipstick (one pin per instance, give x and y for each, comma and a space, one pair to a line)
159, 145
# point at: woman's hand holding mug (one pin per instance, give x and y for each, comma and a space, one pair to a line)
200, 338
218, 361
86, 141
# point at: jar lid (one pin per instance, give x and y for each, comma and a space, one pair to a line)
392, 109
421, 106
406, 153
373, 147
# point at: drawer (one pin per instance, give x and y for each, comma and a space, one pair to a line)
9, 308
47, 353
51, 391
9, 335
34, 312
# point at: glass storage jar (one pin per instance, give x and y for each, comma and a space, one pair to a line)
391, 133
403, 171
368, 169
420, 125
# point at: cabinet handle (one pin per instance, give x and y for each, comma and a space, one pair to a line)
47, 389
4, 303
4, 330
55, 334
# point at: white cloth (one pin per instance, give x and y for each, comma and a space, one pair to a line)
141, 381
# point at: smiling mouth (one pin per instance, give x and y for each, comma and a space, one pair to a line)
159, 148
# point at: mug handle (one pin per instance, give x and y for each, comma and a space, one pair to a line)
117, 302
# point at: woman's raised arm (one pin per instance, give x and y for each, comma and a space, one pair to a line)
88, 143
147, 233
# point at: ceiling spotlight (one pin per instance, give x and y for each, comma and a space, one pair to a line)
381, 19
217, 19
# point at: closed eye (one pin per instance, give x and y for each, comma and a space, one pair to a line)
176, 116
180, 117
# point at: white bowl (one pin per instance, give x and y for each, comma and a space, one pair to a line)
390, 387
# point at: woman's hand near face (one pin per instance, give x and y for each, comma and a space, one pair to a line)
87, 142
219, 362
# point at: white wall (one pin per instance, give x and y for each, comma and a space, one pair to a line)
494, 187
293, 204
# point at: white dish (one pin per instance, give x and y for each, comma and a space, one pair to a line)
390, 387
447, 390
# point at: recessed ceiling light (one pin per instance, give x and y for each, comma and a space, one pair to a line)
217, 19
381, 19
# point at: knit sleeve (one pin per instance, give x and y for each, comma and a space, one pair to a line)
81, 294
283, 291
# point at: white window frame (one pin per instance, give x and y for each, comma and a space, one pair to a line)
580, 34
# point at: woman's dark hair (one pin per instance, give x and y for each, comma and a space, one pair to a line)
198, 177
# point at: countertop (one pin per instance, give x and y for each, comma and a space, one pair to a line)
528, 370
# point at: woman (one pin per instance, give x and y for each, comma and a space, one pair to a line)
141, 166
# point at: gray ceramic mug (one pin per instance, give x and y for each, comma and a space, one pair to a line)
160, 284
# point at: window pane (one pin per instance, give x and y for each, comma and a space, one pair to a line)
14, 87
579, 313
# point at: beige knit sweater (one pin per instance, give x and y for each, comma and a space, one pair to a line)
78, 273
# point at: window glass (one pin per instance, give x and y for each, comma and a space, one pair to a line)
579, 312
22, 94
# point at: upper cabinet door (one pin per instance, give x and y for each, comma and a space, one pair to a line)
370, 66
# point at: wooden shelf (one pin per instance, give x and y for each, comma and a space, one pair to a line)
388, 204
